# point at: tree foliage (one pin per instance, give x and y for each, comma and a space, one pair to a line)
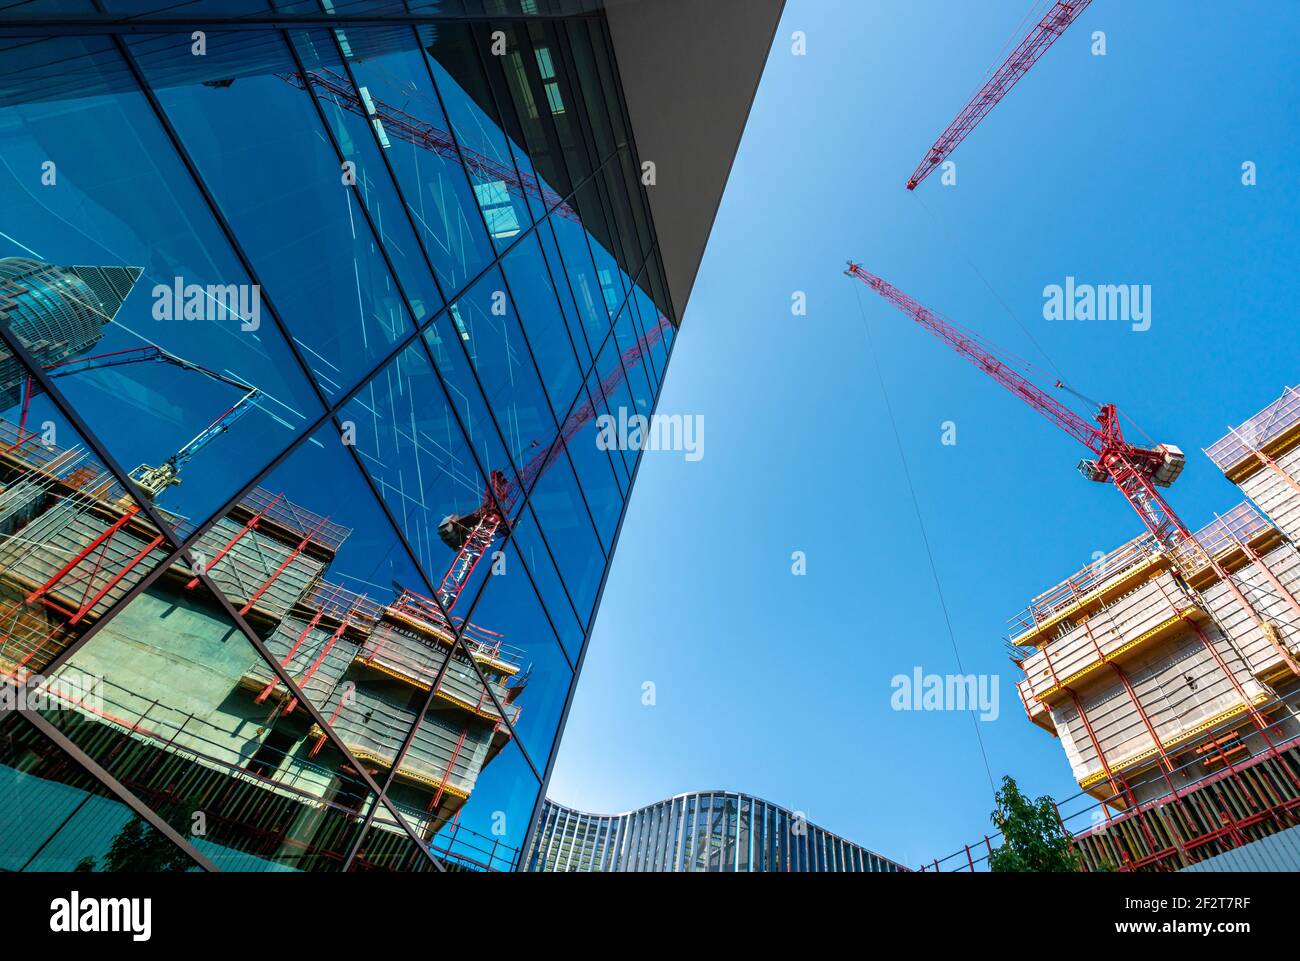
141, 849
1033, 838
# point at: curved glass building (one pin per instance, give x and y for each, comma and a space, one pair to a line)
699, 831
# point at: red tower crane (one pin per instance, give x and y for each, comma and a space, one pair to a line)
1136, 471
471, 535
1017, 64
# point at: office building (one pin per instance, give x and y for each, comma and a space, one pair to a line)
304, 523
719, 831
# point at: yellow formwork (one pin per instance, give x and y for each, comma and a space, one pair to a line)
1138, 574
1147, 755
1149, 635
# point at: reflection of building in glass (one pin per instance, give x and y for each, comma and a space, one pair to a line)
703, 831
75, 544
59, 312
1175, 691
294, 650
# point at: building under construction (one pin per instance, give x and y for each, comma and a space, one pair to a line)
443, 267
274, 791
1170, 675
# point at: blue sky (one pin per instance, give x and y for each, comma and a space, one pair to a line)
1117, 169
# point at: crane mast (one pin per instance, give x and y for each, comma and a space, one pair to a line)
1017, 64
473, 534
1135, 471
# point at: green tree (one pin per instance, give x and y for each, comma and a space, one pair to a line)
139, 848
1033, 838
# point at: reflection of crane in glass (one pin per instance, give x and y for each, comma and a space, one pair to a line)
472, 535
389, 121
152, 481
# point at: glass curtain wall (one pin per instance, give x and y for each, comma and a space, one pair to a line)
303, 338
714, 831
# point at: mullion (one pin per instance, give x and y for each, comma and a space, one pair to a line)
428, 356
500, 117
638, 325
150, 511
577, 92
95, 770
559, 63
595, 354
605, 79
582, 58
527, 493
545, 121
309, 429
560, 125
585, 622
541, 247
496, 262
397, 187
575, 108
600, 381
469, 361
614, 182
407, 304
636, 153
458, 634
397, 350
181, 547
332, 409
570, 318
643, 352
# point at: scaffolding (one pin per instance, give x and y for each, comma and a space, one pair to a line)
1275, 426
1108, 574
1144, 711
1230, 791
1170, 673
73, 543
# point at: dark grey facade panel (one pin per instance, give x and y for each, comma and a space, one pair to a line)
1277, 852
689, 72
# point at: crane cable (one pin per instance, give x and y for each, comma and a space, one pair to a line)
920, 521
996, 296
1029, 368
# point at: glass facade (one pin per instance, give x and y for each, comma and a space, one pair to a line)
304, 331
707, 831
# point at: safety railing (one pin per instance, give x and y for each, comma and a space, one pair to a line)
1271, 422
1078, 586
1239, 526
1082, 815
287, 514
